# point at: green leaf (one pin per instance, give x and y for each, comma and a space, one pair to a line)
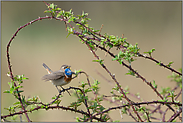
105, 118
130, 73
87, 90
154, 84
16, 88
6, 91
96, 30
165, 91
109, 44
159, 63
19, 91
42, 106
52, 6
58, 9
46, 107
101, 108
169, 64
150, 51
176, 78
116, 58
99, 60
70, 31
120, 61
47, 11
165, 99
71, 19
123, 110
83, 84
11, 84
75, 105
58, 15
116, 121
12, 90
77, 71
78, 119
16, 103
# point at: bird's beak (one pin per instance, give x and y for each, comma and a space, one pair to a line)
71, 71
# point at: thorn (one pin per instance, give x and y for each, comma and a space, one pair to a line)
101, 28
113, 75
145, 55
122, 35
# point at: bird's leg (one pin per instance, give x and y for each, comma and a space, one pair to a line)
66, 90
58, 89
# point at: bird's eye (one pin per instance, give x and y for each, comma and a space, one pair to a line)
64, 67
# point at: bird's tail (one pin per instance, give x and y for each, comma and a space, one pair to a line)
47, 68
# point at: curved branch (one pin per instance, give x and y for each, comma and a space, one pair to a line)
136, 104
52, 107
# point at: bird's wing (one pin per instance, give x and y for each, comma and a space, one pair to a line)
47, 68
53, 76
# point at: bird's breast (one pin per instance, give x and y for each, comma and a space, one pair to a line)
67, 79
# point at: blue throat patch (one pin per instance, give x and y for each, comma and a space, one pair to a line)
68, 72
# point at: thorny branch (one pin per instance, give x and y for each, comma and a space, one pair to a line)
113, 77
92, 39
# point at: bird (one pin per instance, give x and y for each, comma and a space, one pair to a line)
60, 77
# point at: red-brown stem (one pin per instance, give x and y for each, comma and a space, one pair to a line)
113, 79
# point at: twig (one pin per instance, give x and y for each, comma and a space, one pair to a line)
113, 79
136, 104
161, 64
175, 115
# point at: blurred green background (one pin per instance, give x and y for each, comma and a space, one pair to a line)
150, 24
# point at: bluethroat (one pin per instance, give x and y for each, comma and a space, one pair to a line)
60, 77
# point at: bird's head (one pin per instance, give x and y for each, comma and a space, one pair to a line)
67, 70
